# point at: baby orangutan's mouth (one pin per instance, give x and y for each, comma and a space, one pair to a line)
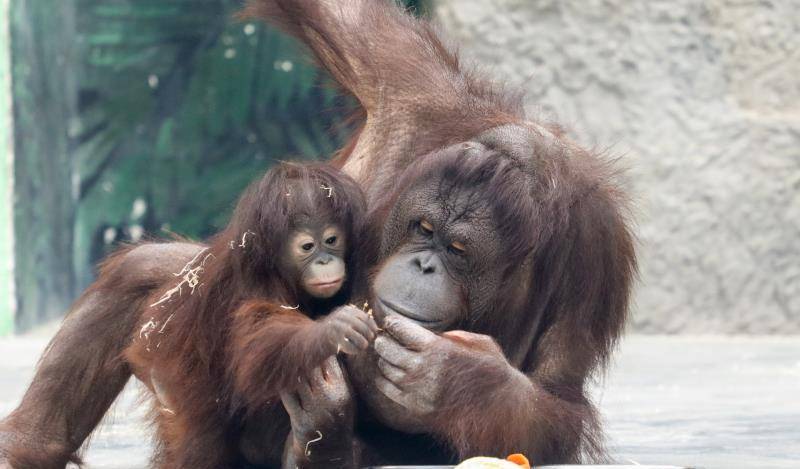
328, 285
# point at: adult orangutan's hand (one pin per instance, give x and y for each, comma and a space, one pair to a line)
417, 366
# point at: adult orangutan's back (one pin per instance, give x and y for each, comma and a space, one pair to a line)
414, 92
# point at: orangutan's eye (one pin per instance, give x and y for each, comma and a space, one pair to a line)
307, 247
331, 241
457, 247
425, 227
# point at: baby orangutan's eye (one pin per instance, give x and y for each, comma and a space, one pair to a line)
331, 241
307, 247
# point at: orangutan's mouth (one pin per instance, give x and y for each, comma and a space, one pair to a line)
388, 307
329, 284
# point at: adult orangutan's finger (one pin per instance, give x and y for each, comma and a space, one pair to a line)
393, 373
390, 390
407, 332
393, 352
474, 341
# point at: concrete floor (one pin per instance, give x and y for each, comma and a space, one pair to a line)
707, 402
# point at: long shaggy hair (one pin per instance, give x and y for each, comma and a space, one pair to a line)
204, 331
240, 262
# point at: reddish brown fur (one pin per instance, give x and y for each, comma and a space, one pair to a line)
82, 371
558, 315
230, 347
565, 302
381, 48
223, 353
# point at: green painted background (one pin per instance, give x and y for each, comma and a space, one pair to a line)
144, 116
6, 188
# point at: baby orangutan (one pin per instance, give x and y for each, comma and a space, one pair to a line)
254, 316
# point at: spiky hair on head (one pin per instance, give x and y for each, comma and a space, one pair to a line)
270, 207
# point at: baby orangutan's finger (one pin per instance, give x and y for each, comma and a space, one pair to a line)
369, 320
333, 370
347, 346
360, 324
363, 317
305, 392
358, 340
316, 378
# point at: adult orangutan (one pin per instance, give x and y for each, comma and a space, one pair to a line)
501, 279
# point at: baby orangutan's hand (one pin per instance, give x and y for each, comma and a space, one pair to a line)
348, 329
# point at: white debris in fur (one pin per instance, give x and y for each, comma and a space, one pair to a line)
364, 308
315, 440
147, 328
163, 327
327, 188
290, 307
243, 244
161, 331
168, 295
188, 267
168, 410
190, 277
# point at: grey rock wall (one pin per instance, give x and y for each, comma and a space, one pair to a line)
702, 99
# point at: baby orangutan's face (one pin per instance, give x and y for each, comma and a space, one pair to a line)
314, 255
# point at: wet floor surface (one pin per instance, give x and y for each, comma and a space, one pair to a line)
705, 402
687, 401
